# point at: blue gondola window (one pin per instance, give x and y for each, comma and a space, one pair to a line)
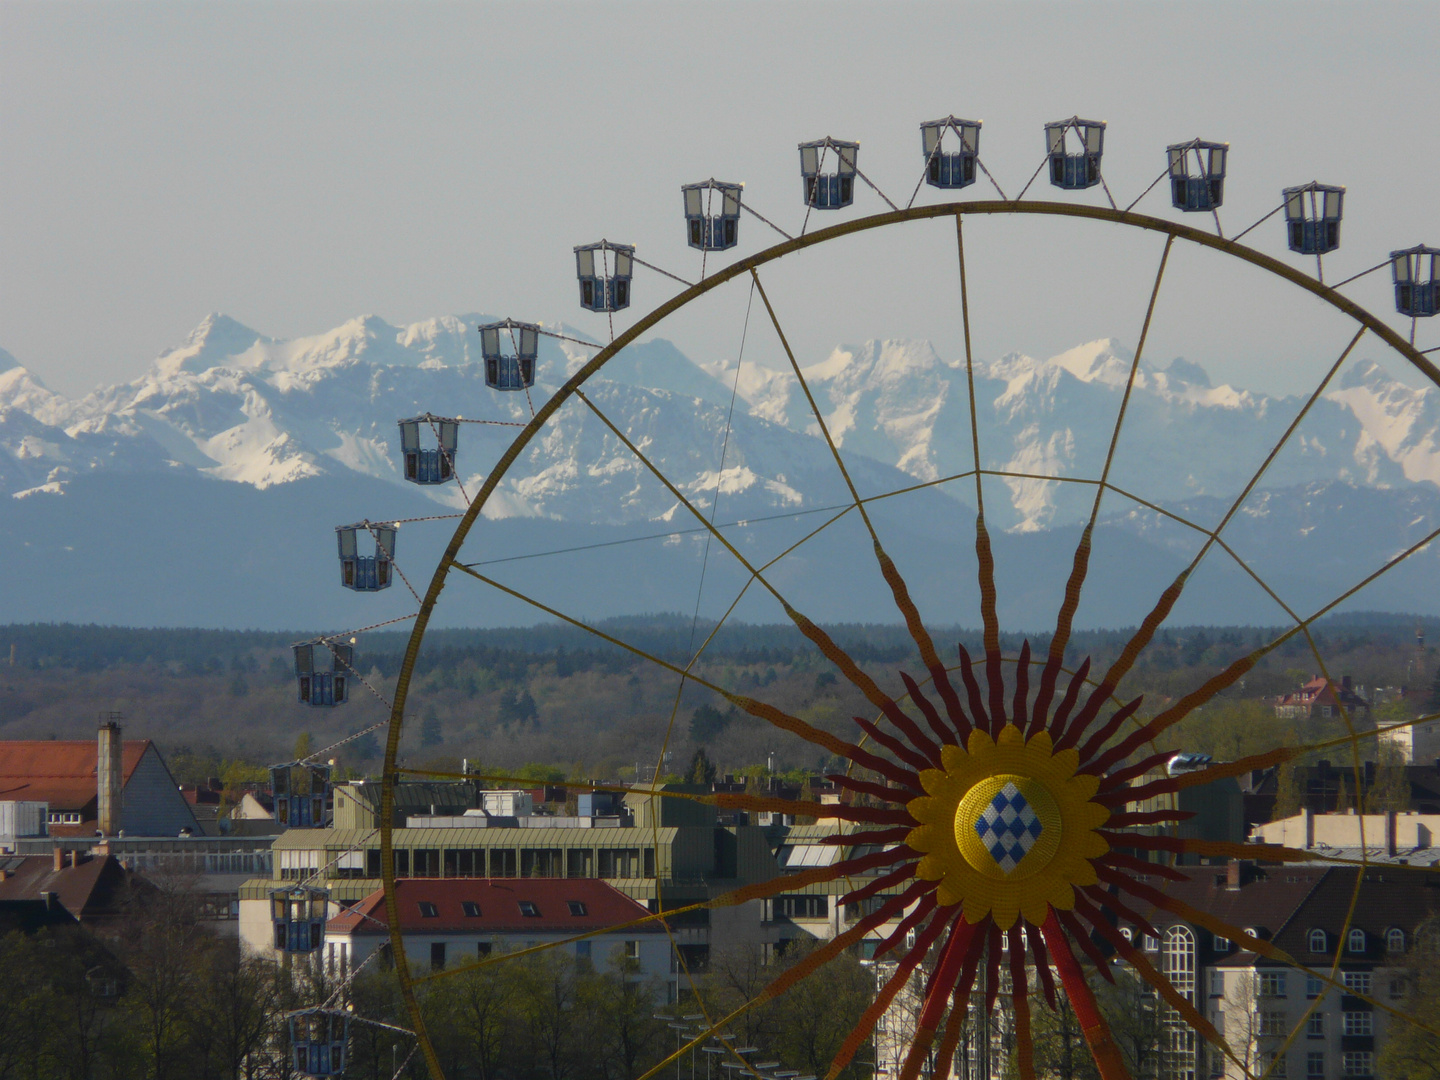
1312, 218
298, 918
318, 1041
827, 169
514, 370
429, 465
604, 271
366, 573
302, 794
1417, 281
321, 688
945, 166
1075, 167
712, 214
1197, 174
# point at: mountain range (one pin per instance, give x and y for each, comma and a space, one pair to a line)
204, 491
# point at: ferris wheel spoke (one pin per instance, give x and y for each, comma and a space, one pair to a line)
1167, 990
984, 556
901, 593
758, 709
832, 651
1080, 567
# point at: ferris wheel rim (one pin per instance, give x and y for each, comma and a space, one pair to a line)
958, 210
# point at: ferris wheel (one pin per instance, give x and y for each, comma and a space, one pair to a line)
1019, 819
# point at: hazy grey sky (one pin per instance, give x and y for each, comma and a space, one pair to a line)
297, 164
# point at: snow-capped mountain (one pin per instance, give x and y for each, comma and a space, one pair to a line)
318, 413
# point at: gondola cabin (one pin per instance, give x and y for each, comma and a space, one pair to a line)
366, 573
1197, 174
1417, 281
318, 1041
323, 687
1312, 218
1074, 148
513, 370
604, 270
298, 916
712, 214
429, 465
827, 169
950, 166
302, 794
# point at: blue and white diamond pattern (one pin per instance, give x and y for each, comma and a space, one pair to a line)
1008, 828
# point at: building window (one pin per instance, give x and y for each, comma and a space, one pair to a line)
577, 908
426, 862
1314, 986
1217, 983
632, 950
1127, 933
437, 955
1357, 982
798, 907
1397, 988
1273, 1063
577, 863
1315, 1026
471, 909
1359, 1023
1395, 940
63, 817
1317, 941
1221, 944
502, 863
619, 862
1178, 1039
428, 910
582, 950
1315, 1065
1272, 1024
540, 862
1151, 944
462, 863
1272, 984
1357, 1063
1356, 942
529, 909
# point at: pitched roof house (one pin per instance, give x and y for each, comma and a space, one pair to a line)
65, 774
449, 920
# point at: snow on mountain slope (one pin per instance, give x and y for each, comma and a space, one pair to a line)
238, 406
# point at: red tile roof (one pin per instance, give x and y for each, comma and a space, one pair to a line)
59, 772
499, 901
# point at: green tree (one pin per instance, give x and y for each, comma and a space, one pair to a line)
302, 746
431, 733
701, 769
1289, 797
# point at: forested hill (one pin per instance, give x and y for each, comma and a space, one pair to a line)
193, 651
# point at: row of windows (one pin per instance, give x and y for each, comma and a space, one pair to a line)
1356, 941
1274, 984
1318, 941
1354, 1063
528, 908
1276, 1024
615, 863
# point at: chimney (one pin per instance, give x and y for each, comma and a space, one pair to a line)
1232, 875
108, 769
59, 858
1309, 827
1392, 828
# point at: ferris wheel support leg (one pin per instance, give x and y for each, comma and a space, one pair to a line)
1087, 1012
